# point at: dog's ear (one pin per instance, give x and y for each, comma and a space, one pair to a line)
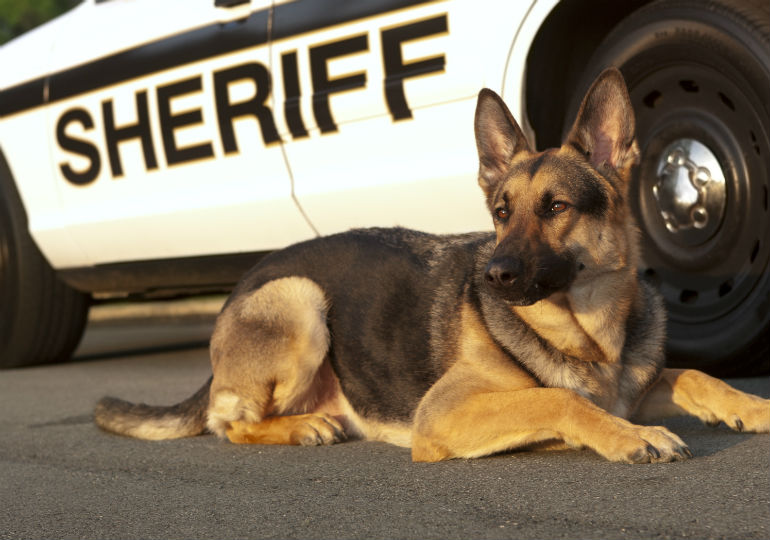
605, 127
498, 139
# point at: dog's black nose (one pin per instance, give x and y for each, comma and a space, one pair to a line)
502, 272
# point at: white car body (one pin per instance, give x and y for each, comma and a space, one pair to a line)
176, 187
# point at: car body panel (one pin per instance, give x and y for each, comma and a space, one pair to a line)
361, 113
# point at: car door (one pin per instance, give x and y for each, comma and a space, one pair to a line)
378, 104
160, 132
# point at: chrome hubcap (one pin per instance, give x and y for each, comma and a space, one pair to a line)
690, 191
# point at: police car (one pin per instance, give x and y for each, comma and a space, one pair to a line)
162, 146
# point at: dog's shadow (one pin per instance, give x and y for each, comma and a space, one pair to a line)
705, 440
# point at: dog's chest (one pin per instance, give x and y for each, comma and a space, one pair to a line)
598, 382
563, 360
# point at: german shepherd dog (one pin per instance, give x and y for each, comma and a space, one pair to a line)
538, 335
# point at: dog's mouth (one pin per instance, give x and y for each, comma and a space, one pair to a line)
511, 280
528, 297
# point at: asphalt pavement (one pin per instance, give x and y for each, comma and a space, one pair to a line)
61, 477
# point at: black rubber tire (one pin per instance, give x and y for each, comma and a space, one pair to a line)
41, 318
701, 70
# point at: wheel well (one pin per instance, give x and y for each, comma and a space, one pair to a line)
8, 188
560, 52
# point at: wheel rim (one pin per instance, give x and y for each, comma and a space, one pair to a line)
705, 240
689, 191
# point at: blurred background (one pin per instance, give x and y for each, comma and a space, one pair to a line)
18, 16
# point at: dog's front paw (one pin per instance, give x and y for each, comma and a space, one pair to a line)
738, 410
714, 401
750, 414
645, 444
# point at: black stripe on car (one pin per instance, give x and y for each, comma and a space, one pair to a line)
289, 20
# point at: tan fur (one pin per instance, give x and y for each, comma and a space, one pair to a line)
281, 391
582, 323
303, 429
157, 431
563, 356
690, 392
482, 423
486, 404
274, 368
555, 320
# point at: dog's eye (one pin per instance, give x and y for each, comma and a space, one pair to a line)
557, 207
502, 214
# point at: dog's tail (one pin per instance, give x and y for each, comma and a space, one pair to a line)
155, 423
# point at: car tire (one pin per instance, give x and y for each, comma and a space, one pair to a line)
41, 318
698, 73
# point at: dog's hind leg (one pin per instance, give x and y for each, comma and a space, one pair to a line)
303, 429
268, 355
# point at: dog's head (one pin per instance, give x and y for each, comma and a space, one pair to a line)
560, 215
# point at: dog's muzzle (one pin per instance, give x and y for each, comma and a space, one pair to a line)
510, 278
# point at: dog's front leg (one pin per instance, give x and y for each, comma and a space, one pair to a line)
460, 419
690, 392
